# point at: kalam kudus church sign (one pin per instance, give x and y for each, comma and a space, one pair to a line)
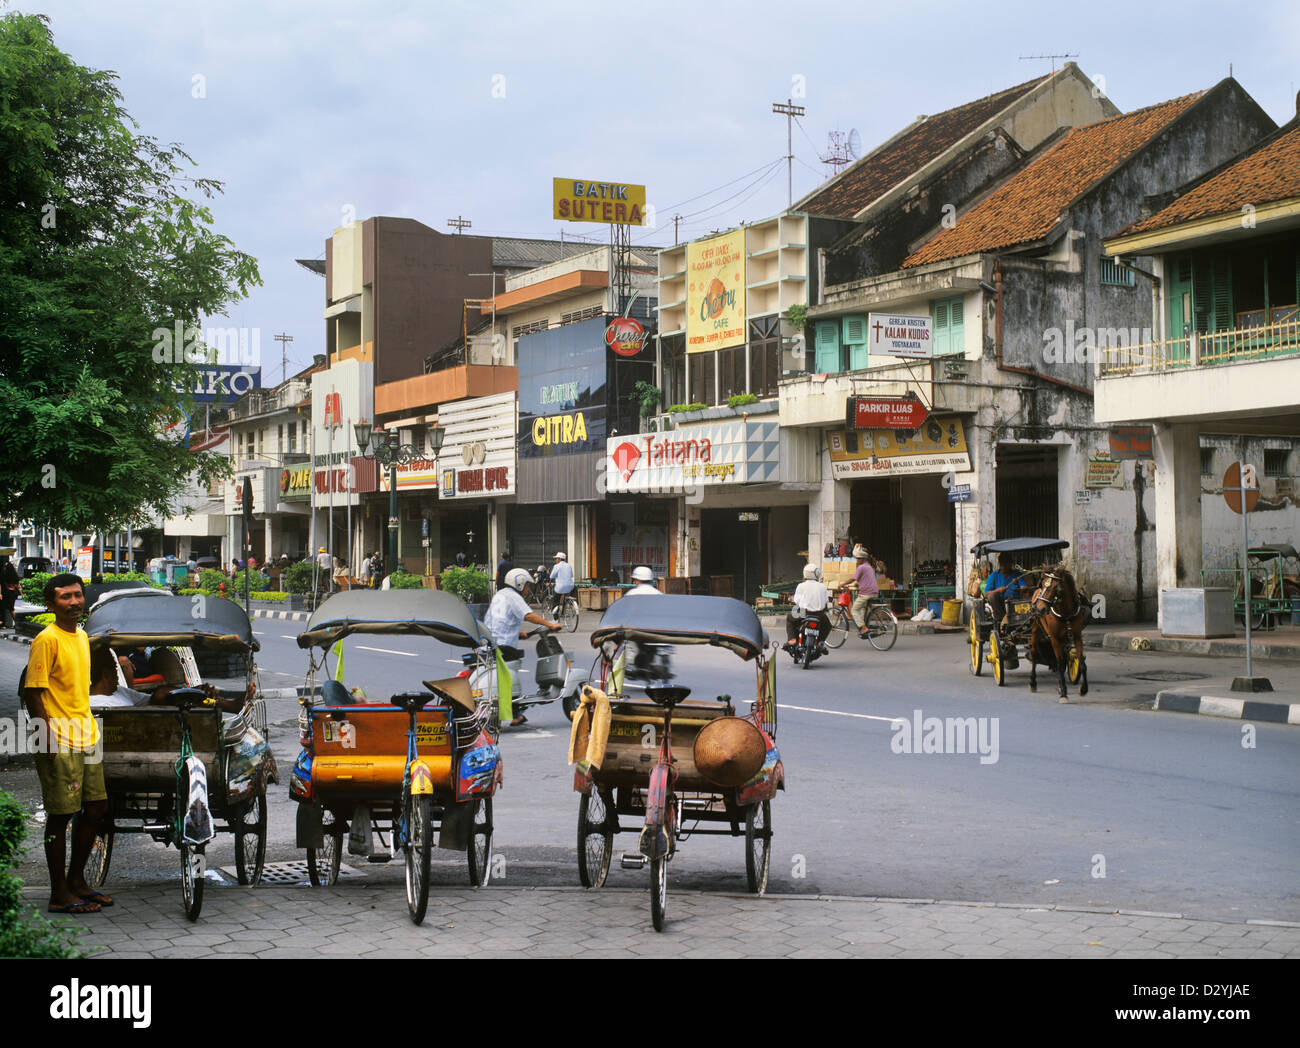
894, 335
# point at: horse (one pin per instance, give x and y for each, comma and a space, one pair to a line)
1057, 625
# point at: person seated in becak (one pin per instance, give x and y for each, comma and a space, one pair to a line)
106, 689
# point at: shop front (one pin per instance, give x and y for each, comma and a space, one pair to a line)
476, 478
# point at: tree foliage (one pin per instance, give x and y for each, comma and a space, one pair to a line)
103, 240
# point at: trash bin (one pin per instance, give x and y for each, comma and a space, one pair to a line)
951, 612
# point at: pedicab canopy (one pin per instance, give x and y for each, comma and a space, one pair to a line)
1018, 546
429, 613
679, 619
154, 619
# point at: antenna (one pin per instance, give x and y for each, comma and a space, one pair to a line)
790, 111
838, 153
284, 339
1030, 58
855, 144
459, 224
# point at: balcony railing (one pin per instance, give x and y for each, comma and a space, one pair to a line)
1257, 342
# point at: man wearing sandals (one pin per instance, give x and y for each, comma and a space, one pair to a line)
56, 690
865, 585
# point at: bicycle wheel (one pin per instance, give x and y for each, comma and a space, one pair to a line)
419, 841
658, 891
839, 628
595, 841
323, 865
480, 843
569, 616
882, 630
249, 825
758, 845
193, 868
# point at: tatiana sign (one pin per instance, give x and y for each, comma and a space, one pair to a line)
894, 335
742, 452
885, 413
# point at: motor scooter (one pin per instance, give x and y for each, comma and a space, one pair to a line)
808, 645
555, 675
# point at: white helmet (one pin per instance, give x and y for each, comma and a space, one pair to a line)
561, 556
643, 574
517, 579
812, 571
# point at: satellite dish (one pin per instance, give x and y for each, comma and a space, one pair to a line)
855, 144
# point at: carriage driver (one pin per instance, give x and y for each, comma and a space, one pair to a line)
1001, 586
811, 598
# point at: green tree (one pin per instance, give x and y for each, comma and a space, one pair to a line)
105, 243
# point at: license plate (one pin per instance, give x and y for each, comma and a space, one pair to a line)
430, 734
1021, 607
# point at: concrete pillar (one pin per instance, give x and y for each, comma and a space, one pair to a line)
497, 537
1178, 506
828, 514
976, 520
691, 553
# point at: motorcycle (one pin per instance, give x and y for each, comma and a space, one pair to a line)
808, 645
555, 675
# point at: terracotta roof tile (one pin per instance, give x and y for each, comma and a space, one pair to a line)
878, 172
1026, 207
1268, 174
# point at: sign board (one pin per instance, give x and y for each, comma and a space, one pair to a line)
721, 454
477, 458
614, 203
340, 395
939, 446
1104, 473
223, 382
1131, 442
626, 336
1232, 487
898, 335
1082, 498
85, 562
959, 493
715, 292
885, 413
295, 484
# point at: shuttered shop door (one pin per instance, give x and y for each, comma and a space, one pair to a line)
537, 535
1027, 493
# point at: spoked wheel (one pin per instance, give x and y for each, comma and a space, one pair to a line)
595, 840
882, 630
976, 647
658, 891
569, 615
250, 839
839, 628
758, 845
419, 841
1074, 665
193, 868
323, 865
480, 843
996, 661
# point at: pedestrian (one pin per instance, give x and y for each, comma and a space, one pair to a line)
503, 565
10, 588
324, 567
363, 575
461, 559
56, 691
191, 566
868, 589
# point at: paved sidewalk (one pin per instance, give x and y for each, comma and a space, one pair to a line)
370, 920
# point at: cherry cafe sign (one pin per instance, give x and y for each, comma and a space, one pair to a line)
886, 413
626, 336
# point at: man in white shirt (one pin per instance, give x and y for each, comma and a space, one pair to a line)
562, 575
811, 599
645, 583
645, 653
505, 618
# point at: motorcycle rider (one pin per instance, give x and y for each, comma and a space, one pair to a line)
645, 583
811, 599
506, 615
643, 663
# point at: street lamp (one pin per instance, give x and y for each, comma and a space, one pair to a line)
389, 452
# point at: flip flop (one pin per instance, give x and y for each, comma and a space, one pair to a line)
99, 897
76, 907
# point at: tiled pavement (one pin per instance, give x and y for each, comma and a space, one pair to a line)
370, 920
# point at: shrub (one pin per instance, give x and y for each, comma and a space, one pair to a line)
798, 315
45, 618
693, 406
296, 578
192, 593
469, 584
404, 580
211, 578
133, 576
271, 595
23, 931
646, 394
739, 400
256, 582
32, 588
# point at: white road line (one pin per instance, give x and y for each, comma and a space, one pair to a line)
389, 651
287, 636
839, 713
259, 633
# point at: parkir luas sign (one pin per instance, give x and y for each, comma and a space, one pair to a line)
614, 203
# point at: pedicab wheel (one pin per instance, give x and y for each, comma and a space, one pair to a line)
882, 630
250, 840
569, 616
323, 864
595, 842
658, 891
192, 870
839, 629
976, 647
419, 834
1074, 665
480, 843
758, 845
995, 659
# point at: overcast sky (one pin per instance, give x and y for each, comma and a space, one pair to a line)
431, 109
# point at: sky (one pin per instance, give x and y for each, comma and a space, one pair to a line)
315, 112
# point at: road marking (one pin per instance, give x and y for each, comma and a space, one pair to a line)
287, 636
839, 713
258, 633
535, 733
389, 651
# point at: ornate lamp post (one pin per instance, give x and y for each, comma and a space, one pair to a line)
388, 451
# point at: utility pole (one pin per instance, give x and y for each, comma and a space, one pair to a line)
790, 111
284, 341
676, 219
459, 224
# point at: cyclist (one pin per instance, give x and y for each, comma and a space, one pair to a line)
506, 614
811, 598
866, 586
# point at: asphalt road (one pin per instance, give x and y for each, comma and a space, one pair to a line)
1101, 802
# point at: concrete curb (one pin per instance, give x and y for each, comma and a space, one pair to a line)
1233, 708
293, 616
1232, 647
17, 638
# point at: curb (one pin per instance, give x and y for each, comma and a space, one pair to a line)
17, 638
1223, 706
1234, 647
289, 693
294, 616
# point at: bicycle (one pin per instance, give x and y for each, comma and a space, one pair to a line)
881, 627
415, 823
565, 611
191, 826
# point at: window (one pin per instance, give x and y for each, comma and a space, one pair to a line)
826, 347
949, 326
1207, 462
1115, 275
704, 384
674, 371
579, 315
764, 356
854, 335
731, 372
1276, 462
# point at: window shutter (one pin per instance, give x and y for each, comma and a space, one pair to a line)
939, 313
1223, 316
855, 339
827, 346
1202, 293
956, 326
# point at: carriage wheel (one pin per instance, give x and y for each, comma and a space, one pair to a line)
1074, 665
976, 647
250, 839
480, 843
658, 891
595, 841
193, 868
839, 627
419, 841
323, 865
758, 845
996, 660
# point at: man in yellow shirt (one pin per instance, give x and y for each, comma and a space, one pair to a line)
56, 689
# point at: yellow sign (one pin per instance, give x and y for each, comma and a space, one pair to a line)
614, 203
939, 446
715, 293
560, 429
430, 734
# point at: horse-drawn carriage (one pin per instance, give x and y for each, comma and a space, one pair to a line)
1044, 616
